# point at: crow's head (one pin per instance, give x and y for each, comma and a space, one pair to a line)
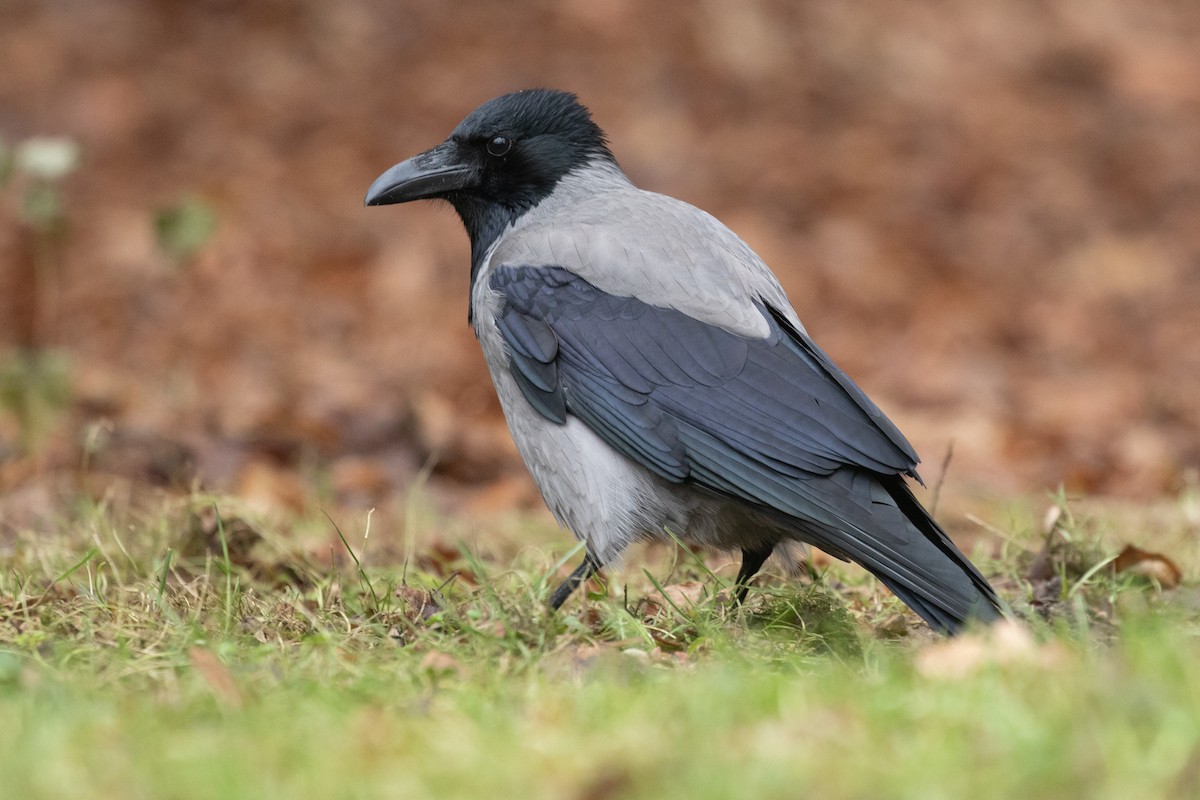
500, 161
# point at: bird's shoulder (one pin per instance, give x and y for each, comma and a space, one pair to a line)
628, 242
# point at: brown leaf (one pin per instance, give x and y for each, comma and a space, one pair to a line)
420, 603
668, 641
1154, 566
592, 618
650, 607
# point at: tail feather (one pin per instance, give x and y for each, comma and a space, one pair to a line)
886, 530
988, 606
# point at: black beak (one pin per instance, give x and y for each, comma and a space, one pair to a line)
430, 174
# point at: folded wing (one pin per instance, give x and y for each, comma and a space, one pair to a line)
770, 421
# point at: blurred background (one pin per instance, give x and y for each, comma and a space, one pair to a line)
987, 213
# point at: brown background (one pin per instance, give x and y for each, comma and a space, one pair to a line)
988, 213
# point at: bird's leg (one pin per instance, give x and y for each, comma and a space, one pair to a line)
587, 569
752, 561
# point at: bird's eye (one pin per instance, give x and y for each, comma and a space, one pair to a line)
499, 145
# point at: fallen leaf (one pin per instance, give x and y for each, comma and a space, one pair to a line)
420, 603
668, 641
592, 618
685, 594
1154, 566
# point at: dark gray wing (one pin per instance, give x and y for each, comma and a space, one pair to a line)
771, 421
686, 399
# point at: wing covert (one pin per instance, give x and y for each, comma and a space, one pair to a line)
687, 399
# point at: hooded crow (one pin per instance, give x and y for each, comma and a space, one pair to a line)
654, 376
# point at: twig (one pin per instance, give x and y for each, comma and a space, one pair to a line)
937, 486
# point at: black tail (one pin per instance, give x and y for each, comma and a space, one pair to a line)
874, 520
930, 602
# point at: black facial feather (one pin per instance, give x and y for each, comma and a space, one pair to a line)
551, 134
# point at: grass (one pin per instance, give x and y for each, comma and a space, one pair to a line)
187, 650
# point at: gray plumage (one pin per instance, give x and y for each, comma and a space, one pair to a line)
654, 376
